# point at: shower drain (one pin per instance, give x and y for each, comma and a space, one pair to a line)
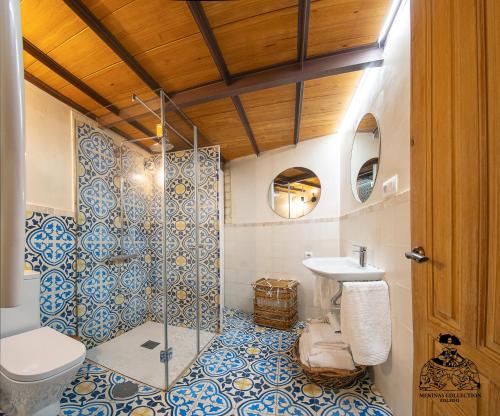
150, 344
124, 390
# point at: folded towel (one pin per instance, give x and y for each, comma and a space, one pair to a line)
304, 348
366, 321
323, 335
340, 358
334, 321
324, 290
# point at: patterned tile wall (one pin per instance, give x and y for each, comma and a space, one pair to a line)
80, 292
114, 195
120, 192
181, 290
50, 250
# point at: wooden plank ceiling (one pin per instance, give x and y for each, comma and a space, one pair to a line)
253, 75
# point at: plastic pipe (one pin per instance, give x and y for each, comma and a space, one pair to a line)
12, 156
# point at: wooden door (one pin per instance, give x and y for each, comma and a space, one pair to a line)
455, 173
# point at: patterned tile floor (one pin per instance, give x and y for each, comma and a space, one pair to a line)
247, 370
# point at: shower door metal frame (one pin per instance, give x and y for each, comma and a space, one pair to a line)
165, 268
164, 235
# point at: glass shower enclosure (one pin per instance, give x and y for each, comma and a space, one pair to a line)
148, 278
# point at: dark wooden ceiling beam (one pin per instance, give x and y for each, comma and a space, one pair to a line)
303, 30
333, 64
68, 76
57, 95
299, 97
76, 82
246, 124
201, 20
79, 8
302, 37
109, 39
70, 103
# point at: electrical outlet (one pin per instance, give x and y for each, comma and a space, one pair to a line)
390, 186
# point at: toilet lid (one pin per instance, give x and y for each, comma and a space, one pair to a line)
39, 354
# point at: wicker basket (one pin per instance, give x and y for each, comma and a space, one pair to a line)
331, 378
275, 303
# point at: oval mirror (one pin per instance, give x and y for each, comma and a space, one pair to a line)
365, 157
294, 192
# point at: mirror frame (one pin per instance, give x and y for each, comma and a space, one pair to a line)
356, 197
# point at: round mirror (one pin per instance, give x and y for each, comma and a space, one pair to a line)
294, 192
365, 157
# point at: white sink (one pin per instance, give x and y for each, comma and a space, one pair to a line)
343, 269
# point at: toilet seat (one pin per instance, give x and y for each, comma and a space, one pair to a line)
39, 354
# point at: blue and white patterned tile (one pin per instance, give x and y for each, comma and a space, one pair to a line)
50, 249
180, 236
225, 381
105, 170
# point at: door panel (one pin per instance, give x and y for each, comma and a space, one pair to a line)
455, 158
492, 332
454, 150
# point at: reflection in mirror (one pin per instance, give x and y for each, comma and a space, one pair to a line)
294, 192
365, 157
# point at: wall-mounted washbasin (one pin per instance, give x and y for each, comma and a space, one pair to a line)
343, 269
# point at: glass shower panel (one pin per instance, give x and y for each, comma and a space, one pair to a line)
141, 239
181, 292
98, 200
192, 251
118, 252
148, 248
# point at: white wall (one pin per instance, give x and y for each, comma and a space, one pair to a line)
260, 243
49, 152
251, 177
384, 225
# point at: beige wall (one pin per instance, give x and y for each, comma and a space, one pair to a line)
260, 243
383, 225
49, 152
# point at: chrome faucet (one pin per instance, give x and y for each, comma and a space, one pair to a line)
362, 254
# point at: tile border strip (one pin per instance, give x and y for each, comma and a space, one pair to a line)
49, 210
401, 197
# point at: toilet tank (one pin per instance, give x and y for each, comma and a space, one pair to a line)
26, 316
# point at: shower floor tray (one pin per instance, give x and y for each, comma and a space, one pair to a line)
126, 354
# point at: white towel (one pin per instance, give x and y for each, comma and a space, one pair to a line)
304, 348
324, 290
366, 321
340, 358
322, 336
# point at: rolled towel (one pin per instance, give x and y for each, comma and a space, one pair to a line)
340, 359
366, 321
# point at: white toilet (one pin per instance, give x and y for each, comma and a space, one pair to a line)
36, 364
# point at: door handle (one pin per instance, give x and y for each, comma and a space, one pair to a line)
417, 254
